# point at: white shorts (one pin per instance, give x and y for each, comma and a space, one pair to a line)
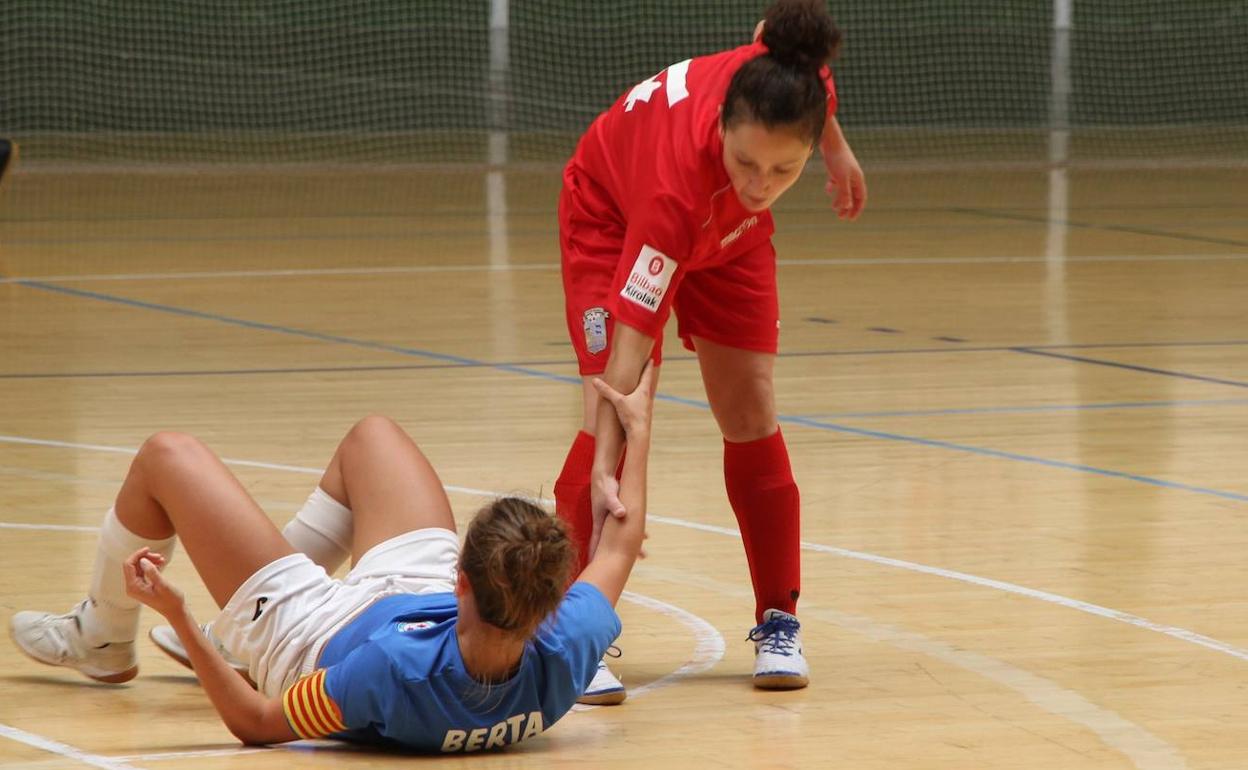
282, 616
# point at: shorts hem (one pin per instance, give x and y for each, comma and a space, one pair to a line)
755, 345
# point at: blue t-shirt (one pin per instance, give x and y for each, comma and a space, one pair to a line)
394, 675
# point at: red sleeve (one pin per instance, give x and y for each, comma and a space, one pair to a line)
649, 270
830, 85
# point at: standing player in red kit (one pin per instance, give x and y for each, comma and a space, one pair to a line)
666, 205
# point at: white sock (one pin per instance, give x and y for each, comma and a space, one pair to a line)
110, 615
322, 529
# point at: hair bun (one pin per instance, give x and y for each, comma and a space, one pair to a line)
800, 33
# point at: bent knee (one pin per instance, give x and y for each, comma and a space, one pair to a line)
171, 446
374, 427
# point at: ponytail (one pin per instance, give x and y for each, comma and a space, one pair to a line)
783, 87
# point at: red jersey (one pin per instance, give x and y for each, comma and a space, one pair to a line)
649, 171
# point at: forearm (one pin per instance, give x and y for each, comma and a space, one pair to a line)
241, 708
621, 540
625, 535
833, 139
629, 351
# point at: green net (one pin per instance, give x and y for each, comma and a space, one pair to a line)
337, 81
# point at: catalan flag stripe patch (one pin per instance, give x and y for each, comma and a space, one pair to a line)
310, 710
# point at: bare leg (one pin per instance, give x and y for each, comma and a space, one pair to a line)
382, 476
176, 483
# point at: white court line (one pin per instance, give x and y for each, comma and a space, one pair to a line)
63, 749
1175, 632
551, 266
157, 757
320, 168
52, 527
708, 651
1146, 750
1064, 601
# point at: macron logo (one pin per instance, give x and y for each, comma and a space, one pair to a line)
735, 234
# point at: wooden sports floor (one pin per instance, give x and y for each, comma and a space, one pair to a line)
1017, 407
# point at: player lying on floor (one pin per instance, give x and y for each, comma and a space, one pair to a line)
423, 644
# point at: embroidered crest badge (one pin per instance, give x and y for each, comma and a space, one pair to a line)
595, 321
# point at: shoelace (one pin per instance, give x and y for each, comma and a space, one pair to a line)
777, 635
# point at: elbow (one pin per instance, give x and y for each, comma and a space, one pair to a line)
246, 736
250, 736
253, 730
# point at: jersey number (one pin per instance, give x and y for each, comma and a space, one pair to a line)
676, 90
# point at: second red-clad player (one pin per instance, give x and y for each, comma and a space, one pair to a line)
666, 206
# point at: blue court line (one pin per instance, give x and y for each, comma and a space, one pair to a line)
1012, 456
1037, 409
569, 361
270, 370
319, 336
1131, 367
1179, 344
693, 402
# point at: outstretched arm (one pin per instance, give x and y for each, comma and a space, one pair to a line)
621, 538
250, 716
846, 183
630, 350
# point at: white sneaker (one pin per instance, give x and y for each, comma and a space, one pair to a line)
167, 640
605, 689
57, 641
778, 660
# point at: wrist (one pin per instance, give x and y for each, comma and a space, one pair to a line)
180, 617
639, 437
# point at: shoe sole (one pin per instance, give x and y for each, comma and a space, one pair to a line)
124, 676
780, 681
186, 662
609, 698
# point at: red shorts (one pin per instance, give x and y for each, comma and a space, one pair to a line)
733, 304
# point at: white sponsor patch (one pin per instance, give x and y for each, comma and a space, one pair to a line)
652, 273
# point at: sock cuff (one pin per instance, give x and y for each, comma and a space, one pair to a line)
769, 450
118, 542
327, 517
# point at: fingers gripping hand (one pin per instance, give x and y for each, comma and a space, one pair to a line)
144, 582
634, 409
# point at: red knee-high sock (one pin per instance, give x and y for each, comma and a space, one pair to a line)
765, 499
572, 495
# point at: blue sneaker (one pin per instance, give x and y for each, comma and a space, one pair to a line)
778, 660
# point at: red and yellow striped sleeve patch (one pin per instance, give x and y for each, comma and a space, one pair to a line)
310, 710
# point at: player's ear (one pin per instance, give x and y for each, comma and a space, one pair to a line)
758, 30
461, 584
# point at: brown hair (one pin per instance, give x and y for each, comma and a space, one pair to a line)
782, 87
518, 560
